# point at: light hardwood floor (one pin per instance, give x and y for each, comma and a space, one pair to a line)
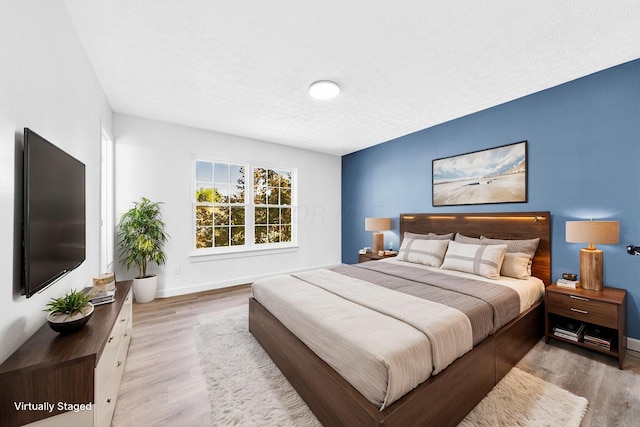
163, 383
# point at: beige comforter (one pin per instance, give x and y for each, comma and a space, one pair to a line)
382, 342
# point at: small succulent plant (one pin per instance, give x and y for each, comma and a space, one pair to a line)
73, 301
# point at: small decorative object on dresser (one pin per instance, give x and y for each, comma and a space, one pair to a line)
591, 258
105, 282
591, 319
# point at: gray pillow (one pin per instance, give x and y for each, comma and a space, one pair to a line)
429, 236
461, 238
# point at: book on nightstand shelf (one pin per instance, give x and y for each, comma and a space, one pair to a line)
569, 331
597, 337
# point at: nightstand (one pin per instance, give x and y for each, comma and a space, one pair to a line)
374, 257
602, 312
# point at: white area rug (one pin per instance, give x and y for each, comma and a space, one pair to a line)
247, 389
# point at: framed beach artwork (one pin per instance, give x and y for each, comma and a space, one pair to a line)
494, 175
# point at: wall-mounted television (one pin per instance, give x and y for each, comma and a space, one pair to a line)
54, 215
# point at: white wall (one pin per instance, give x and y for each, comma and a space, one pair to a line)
153, 159
48, 85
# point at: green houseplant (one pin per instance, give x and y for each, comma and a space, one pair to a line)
69, 313
142, 235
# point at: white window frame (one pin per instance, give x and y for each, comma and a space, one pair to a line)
250, 247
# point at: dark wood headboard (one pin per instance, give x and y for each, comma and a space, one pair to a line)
502, 225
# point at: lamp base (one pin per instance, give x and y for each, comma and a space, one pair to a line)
591, 269
378, 242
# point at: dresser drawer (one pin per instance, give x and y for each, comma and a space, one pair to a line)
584, 309
121, 330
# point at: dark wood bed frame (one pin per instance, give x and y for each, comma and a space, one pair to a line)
444, 399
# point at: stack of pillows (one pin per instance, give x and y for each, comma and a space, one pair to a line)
483, 256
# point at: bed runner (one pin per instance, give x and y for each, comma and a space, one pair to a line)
488, 306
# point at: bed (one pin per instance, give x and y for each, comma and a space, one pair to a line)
442, 399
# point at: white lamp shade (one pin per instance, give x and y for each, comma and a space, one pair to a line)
377, 224
593, 232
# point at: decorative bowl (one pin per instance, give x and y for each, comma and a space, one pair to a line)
65, 324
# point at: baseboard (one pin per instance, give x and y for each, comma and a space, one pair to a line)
165, 293
633, 344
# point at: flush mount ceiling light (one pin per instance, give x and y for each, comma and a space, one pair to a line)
324, 89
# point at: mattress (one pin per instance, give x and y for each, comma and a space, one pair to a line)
388, 326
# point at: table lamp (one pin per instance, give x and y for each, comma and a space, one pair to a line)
377, 225
592, 232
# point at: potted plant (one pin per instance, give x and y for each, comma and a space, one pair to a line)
141, 238
69, 313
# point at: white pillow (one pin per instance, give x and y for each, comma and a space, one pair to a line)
519, 256
423, 251
483, 260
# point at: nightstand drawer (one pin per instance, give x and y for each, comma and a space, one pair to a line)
584, 309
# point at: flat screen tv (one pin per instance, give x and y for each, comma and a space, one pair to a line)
54, 213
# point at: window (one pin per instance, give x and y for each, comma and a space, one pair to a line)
272, 200
241, 207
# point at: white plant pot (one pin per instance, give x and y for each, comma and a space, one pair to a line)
145, 289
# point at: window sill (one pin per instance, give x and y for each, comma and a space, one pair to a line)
244, 253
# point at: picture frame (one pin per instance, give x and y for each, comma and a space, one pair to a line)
492, 175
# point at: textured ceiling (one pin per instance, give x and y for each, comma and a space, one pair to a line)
243, 67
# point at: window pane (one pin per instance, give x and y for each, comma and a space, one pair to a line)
204, 237
204, 216
237, 215
285, 196
260, 197
274, 179
285, 179
237, 236
285, 235
236, 174
274, 215
273, 196
221, 215
221, 172
221, 236
260, 216
212, 195
204, 194
237, 194
204, 171
222, 195
285, 215
259, 177
261, 234
274, 234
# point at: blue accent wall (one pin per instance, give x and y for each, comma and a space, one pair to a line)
583, 162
